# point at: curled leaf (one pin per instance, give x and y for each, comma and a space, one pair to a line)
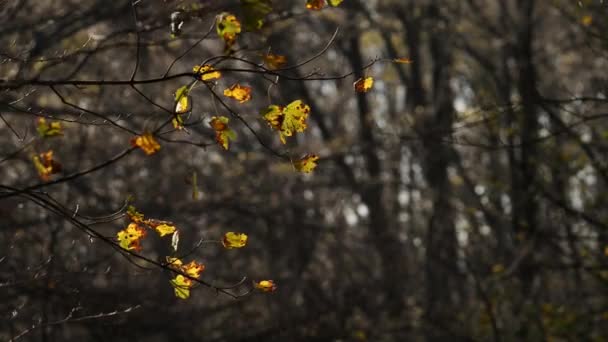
146, 142
130, 237
175, 240
180, 283
266, 286
206, 72
307, 163
402, 60
238, 92
46, 165
48, 129
364, 84
223, 134
233, 240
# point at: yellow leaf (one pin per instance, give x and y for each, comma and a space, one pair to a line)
47, 130
274, 61
206, 72
223, 134
239, 93
146, 142
587, 20
307, 163
228, 28
402, 60
182, 105
266, 286
46, 165
315, 5
234, 240
130, 237
335, 2
174, 262
165, 229
287, 120
181, 285
364, 84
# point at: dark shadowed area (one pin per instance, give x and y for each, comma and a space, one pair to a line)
461, 196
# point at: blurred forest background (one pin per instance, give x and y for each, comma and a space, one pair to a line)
463, 198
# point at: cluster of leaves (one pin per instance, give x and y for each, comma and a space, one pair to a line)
45, 162
186, 274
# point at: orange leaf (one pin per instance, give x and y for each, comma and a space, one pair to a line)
315, 5
146, 142
402, 60
223, 134
364, 84
239, 93
274, 61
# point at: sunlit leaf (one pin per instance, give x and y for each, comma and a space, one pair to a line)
288, 119
234, 240
364, 84
402, 60
46, 165
181, 286
266, 286
335, 3
146, 142
175, 263
165, 229
274, 61
307, 163
315, 5
239, 93
228, 28
181, 99
193, 269
223, 134
206, 72
130, 237
48, 129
